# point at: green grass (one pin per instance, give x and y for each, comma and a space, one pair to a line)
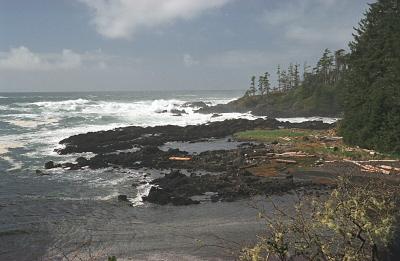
340, 152
270, 135
311, 146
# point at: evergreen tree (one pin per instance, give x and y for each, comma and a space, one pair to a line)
372, 99
261, 87
252, 89
324, 66
284, 81
278, 72
290, 76
296, 76
340, 64
306, 69
267, 84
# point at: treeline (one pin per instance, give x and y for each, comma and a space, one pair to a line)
372, 87
328, 71
362, 87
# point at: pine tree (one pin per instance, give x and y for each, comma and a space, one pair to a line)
372, 99
306, 69
290, 76
252, 89
261, 87
278, 72
296, 76
324, 66
267, 84
340, 65
284, 81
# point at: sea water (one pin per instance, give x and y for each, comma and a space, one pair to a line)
45, 215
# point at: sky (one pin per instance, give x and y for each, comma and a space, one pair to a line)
112, 45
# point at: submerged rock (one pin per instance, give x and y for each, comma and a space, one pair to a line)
123, 198
198, 104
176, 111
215, 115
49, 165
41, 173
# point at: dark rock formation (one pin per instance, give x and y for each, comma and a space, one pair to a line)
128, 137
228, 178
199, 104
273, 107
177, 188
49, 165
123, 198
176, 111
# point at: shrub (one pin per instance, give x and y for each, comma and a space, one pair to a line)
356, 222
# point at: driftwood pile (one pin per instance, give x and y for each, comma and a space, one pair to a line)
366, 166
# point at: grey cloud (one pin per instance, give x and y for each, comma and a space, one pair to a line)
123, 18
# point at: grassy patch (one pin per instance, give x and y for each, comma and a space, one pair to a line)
310, 141
271, 135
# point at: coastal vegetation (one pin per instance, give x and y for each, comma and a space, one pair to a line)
362, 86
143, 176
270, 135
372, 86
315, 91
356, 222
322, 143
359, 219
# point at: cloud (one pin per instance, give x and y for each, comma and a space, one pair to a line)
123, 18
311, 21
23, 59
69, 60
189, 61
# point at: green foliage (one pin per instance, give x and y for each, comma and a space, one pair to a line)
317, 93
356, 222
112, 258
372, 93
270, 135
252, 89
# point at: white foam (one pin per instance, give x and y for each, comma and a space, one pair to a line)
62, 104
142, 191
47, 118
16, 165
32, 123
24, 123
96, 198
7, 144
304, 119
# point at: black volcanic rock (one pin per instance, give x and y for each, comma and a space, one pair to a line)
123, 198
229, 180
158, 196
128, 137
198, 104
49, 165
177, 188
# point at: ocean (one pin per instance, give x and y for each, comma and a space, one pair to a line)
46, 215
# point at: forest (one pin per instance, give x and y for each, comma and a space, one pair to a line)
361, 86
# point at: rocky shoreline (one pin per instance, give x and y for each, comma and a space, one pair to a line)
220, 175
258, 106
247, 170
